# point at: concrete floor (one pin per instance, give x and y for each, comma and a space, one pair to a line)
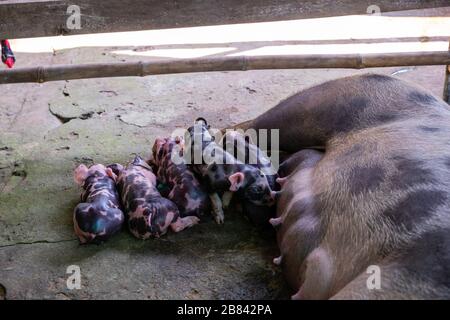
47, 130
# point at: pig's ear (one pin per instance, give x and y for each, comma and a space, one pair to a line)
111, 174
80, 174
236, 180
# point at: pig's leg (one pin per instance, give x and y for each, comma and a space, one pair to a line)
183, 223
226, 199
217, 210
419, 271
390, 279
318, 276
358, 288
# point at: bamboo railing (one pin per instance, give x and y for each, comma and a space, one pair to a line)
237, 63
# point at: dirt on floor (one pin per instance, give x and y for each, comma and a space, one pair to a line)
46, 130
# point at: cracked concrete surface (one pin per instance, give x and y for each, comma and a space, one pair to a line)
46, 130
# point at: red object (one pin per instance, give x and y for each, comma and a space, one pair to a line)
7, 54
9, 62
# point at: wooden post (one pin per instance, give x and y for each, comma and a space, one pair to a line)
39, 18
447, 82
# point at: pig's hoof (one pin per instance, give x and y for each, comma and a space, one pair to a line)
191, 221
219, 218
277, 261
218, 215
275, 222
226, 200
183, 223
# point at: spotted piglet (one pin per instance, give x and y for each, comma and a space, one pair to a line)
222, 172
242, 146
185, 190
98, 216
149, 214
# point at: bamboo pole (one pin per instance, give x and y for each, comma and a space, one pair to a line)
238, 63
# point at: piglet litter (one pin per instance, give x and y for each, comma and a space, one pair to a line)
171, 191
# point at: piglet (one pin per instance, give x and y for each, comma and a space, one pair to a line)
184, 189
222, 172
98, 216
243, 148
116, 168
149, 214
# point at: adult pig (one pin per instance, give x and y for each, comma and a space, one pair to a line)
378, 200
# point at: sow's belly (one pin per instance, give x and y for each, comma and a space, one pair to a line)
299, 232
